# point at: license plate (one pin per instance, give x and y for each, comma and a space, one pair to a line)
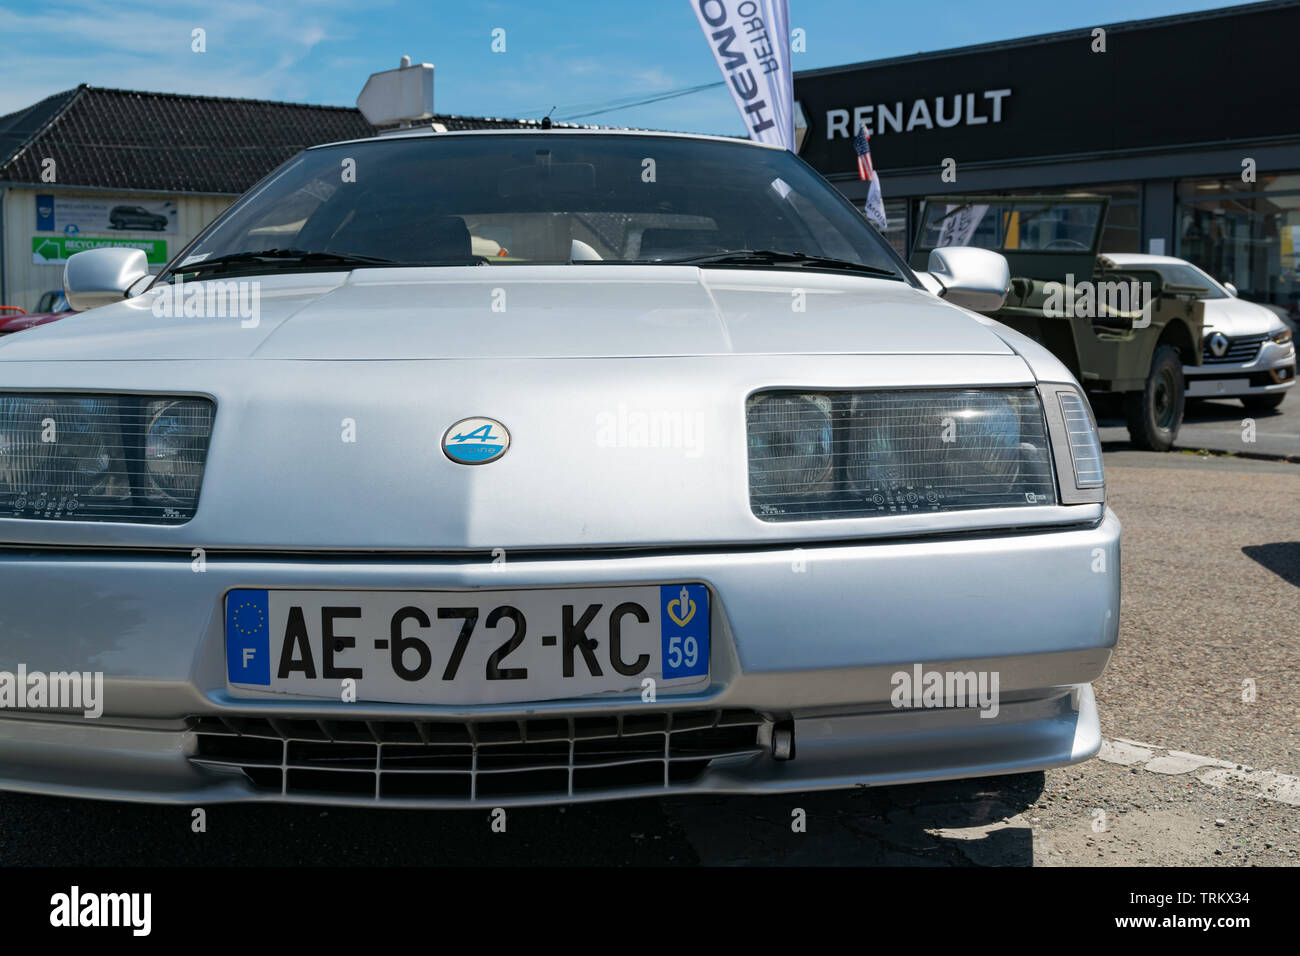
468, 647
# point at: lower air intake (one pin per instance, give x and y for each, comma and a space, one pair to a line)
463, 761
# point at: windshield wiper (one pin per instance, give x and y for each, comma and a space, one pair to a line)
774, 257
283, 257
324, 260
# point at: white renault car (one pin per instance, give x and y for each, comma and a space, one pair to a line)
1247, 351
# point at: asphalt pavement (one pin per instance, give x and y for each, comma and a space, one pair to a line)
1201, 763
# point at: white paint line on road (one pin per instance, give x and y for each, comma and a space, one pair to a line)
1125, 753
1176, 762
1221, 774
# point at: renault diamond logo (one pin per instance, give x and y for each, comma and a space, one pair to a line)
1218, 344
475, 441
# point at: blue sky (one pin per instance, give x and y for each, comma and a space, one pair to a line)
574, 55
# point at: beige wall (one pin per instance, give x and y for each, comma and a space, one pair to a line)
25, 282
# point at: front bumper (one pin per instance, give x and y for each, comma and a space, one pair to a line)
1272, 370
806, 639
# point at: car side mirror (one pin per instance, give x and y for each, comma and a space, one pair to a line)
977, 279
1231, 288
102, 276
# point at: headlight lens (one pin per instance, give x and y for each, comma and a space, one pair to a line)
789, 444
175, 448
102, 457
1281, 338
895, 452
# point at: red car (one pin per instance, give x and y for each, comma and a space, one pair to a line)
52, 307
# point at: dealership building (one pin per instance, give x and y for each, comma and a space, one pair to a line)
92, 167
1188, 123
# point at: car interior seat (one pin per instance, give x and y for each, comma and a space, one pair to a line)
403, 233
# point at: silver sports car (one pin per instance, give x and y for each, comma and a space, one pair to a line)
690, 485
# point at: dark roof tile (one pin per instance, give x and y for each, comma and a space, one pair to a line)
131, 140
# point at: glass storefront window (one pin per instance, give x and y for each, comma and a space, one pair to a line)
1245, 233
896, 234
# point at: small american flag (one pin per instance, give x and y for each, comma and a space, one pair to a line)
875, 205
862, 146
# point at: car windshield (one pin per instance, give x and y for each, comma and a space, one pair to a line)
1180, 273
539, 198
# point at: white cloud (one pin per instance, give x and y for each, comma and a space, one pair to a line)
252, 49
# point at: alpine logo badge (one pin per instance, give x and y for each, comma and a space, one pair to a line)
475, 441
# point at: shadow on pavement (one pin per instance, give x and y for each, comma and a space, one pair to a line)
960, 823
1280, 557
957, 823
1200, 410
1195, 411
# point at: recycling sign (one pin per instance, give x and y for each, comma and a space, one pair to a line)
52, 250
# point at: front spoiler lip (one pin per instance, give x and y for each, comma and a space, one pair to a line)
832, 752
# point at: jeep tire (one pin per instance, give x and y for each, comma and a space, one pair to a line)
1155, 414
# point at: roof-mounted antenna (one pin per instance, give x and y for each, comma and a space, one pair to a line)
546, 120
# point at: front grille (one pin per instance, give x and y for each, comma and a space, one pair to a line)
474, 761
1243, 348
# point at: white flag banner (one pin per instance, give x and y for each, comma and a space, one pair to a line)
875, 208
959, 225
750, 40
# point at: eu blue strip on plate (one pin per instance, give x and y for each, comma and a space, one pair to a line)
248, 638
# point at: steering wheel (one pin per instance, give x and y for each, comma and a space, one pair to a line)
1066, 244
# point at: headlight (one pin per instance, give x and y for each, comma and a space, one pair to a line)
102, 457
898, 451
1281, 338
789, 444
175, 448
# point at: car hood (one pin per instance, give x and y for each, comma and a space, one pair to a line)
1238, 317
518, 312
623, 390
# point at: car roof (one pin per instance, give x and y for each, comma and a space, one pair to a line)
425, 131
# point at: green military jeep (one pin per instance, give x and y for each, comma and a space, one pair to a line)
1122, 333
